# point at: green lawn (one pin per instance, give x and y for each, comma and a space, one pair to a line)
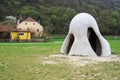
22, 61
115, 44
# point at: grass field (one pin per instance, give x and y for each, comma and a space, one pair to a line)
23, 61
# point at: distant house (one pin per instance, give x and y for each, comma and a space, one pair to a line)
33, 26
11, 19
20, 35
5, 33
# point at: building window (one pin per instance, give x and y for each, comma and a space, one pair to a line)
37, 30
28, 28
19, 29
25, 23
33, 23
21, 34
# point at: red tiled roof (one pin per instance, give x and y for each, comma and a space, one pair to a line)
30, 19
6, 29
20, 31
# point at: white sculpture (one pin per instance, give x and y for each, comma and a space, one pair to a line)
84, 38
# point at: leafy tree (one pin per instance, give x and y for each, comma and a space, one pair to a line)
55, 15
29, 11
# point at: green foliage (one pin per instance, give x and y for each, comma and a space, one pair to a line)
55, 15
29, 11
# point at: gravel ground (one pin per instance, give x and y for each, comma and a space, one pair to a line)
77, 60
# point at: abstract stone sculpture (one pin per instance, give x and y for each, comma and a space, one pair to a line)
84, 38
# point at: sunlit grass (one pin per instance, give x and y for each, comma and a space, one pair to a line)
115, 44
22, 61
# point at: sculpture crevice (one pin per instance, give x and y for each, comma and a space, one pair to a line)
94, 42
70, 43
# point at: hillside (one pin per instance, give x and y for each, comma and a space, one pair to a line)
55, 15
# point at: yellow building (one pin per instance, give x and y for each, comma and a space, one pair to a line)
20, 35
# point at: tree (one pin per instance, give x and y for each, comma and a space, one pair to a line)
29, 11
56, 15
